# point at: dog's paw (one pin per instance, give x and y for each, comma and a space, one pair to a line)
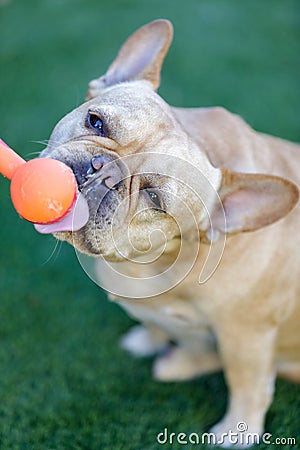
140, 341
179, 365
235, 434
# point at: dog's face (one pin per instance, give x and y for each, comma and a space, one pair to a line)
124, 147
130, 157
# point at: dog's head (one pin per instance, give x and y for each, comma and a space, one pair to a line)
140, 171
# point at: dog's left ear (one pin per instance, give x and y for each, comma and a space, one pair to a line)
140, 57
252, 201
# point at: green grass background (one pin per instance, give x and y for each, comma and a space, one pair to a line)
64, 382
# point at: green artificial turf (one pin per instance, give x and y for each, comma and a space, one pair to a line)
64, 382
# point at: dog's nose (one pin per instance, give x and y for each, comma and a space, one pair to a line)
99, 161
102, 168
84, 170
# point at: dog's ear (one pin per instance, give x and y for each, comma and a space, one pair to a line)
140, 57
252, 201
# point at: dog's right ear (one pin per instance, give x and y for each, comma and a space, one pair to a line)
140, 58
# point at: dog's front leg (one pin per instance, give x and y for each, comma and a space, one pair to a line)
145, 340
248, 361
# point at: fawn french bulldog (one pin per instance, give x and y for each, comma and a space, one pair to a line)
165, 183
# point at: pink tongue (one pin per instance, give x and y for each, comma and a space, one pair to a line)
76, 219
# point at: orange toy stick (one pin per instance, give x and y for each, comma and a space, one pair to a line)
9, 160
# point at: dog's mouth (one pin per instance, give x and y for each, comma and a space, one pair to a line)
99, 186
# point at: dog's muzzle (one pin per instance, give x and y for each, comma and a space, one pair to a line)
95, 179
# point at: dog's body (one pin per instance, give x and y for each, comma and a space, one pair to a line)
244, 318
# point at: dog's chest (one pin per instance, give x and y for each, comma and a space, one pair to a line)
153, 294
179, 314
180, 319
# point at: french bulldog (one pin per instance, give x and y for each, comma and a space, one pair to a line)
194, 224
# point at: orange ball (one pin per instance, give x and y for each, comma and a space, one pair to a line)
43, 190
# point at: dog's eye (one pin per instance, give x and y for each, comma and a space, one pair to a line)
154, 198
95, 122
